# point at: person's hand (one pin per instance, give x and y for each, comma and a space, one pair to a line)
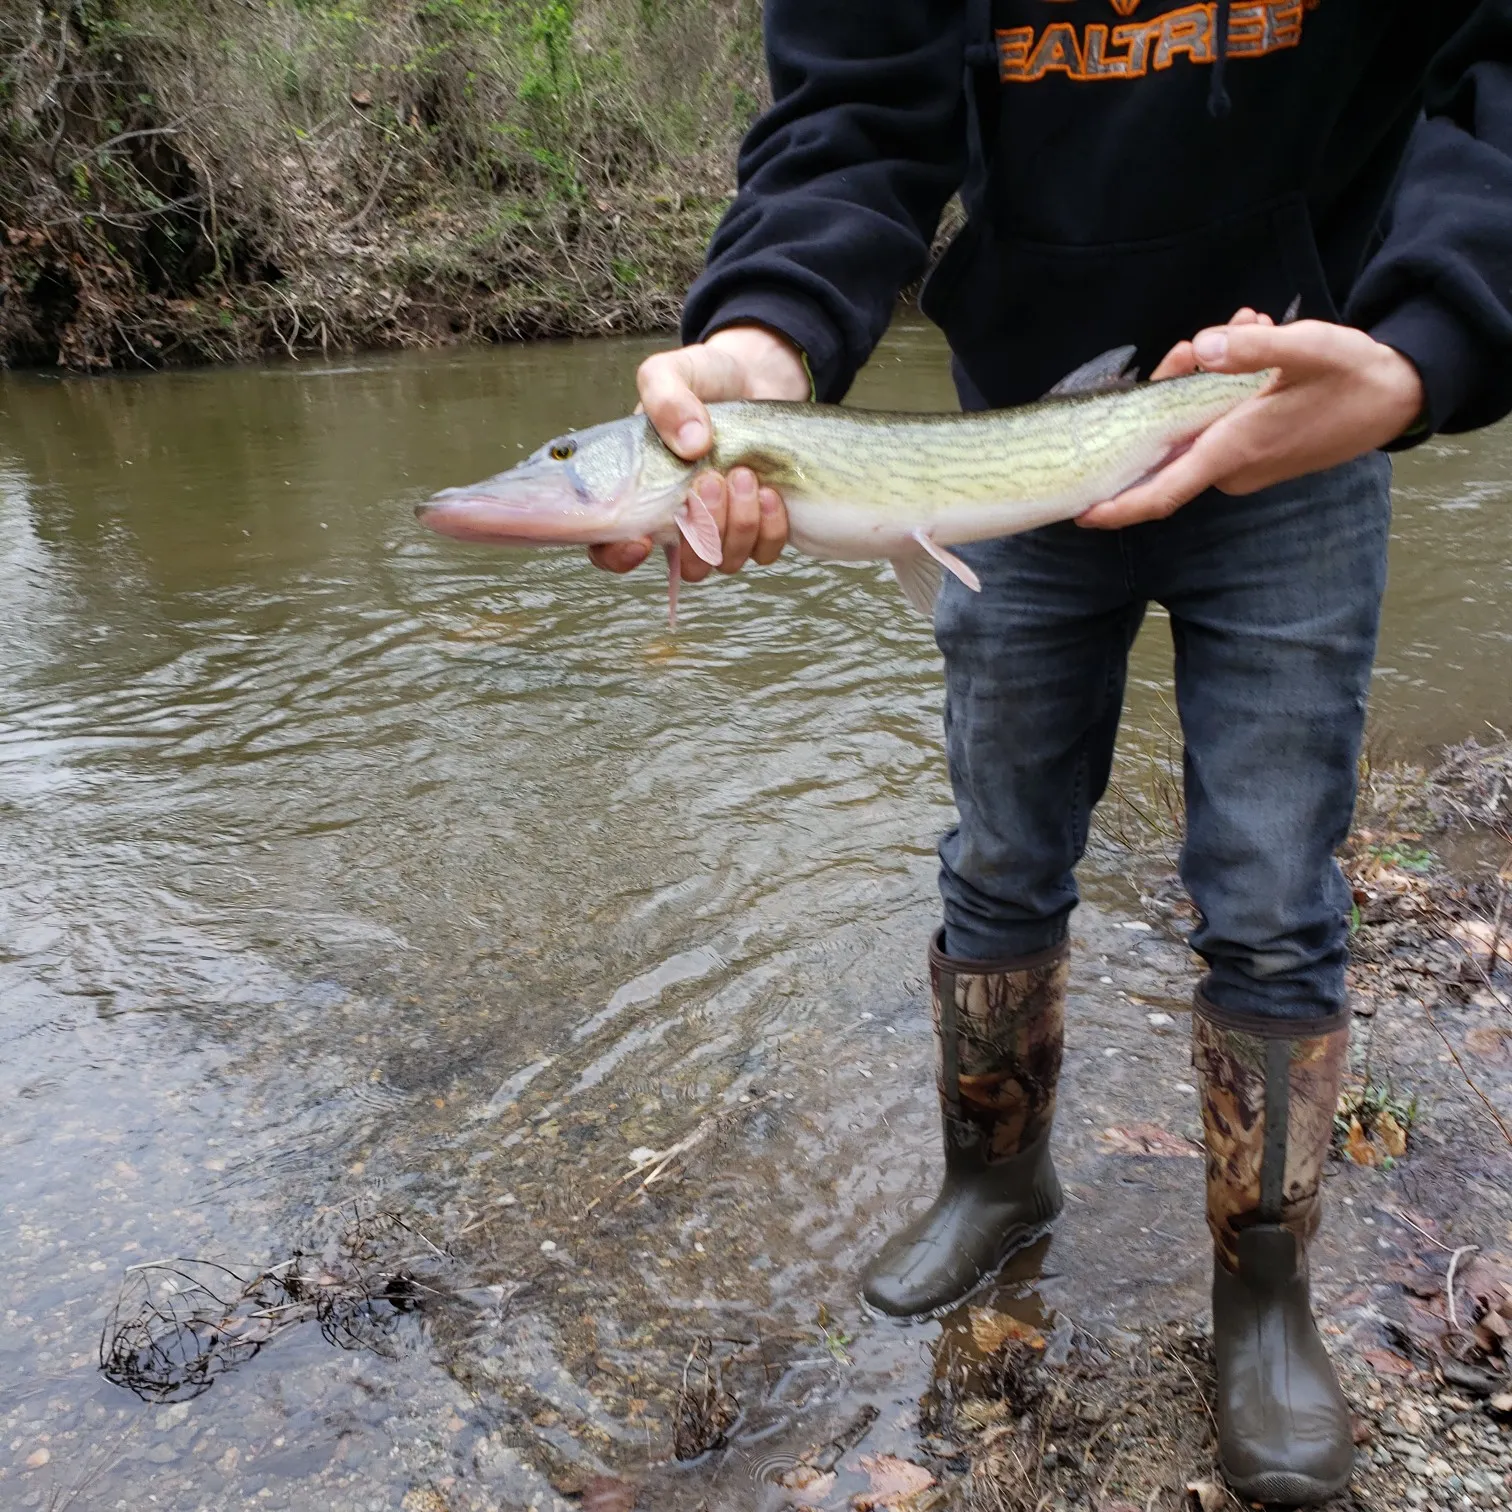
1338, 394
739, 362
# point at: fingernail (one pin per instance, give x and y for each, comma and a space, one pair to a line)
690, 437
709, 489
1211, 346
742, 483
768, 505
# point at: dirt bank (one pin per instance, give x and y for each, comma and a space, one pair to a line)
218, 180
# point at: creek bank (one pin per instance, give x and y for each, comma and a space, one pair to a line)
222, 181
1413, 1269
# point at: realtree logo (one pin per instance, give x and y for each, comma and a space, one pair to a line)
1131, 50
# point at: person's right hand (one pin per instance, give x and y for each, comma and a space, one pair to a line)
739, 362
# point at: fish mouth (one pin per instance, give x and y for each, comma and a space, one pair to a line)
470, 516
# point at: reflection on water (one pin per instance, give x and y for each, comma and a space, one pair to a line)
343, 865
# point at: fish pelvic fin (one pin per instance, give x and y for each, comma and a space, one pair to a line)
699, 529
673, 550
948, 560
919, 573
919, 577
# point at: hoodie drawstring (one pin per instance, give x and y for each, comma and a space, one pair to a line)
1219, 103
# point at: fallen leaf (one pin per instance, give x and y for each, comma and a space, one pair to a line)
893, 1482
1392, 1135
1488, 1044
37, 1458
991, 1329
1209, 1495
1360, 1431
1479, 935
1502, 1402
606, 1494
1146, 1139
1387, 1362
1358, 1148
805, 1485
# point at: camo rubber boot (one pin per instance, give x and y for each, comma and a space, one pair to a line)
999, 1027
1269, 1089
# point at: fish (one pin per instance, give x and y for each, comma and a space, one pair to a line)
859, 485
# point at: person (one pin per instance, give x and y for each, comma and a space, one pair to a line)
1169, 174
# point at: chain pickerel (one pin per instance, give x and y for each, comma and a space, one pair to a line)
859, 485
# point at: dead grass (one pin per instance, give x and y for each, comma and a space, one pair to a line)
218, 180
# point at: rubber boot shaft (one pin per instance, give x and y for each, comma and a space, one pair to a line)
1269, 1089
999, 1029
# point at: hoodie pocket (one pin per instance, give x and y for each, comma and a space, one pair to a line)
1020, 314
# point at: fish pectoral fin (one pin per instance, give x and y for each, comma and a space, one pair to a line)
699, 529
949, 561
918, 576
1111, 370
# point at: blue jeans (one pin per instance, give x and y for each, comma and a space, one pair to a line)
1274, 602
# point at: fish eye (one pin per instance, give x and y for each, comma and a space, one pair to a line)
561, 450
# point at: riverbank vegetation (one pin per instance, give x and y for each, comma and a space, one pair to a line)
192, 180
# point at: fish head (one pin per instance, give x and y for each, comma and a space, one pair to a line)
610, 482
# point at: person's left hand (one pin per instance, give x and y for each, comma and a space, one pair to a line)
1337, 394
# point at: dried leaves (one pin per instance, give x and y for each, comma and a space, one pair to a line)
1457, 1314
1371, 1126
606, 1494
896, 1484
1207, 1495
1147, 1139
704, 1408
990, 1330
806, 1485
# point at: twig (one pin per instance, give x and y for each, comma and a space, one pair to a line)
372, 199
1201, 1395
657, 1163
1454, 1260
1496, 925
172, 129
1496, 1117
1402, 1217
1486, 980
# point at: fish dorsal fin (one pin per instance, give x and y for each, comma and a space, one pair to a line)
1293, 310
919, 577
1109, 371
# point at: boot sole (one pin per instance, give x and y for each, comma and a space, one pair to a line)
1020, 1241
1285, 1488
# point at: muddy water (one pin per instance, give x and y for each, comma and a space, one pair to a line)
347, 870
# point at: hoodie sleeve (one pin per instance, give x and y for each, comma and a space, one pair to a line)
842, 181
1439, 290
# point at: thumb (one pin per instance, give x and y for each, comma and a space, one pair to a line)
673, 386
1250, 347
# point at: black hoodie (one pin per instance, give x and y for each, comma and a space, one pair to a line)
1132, 170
